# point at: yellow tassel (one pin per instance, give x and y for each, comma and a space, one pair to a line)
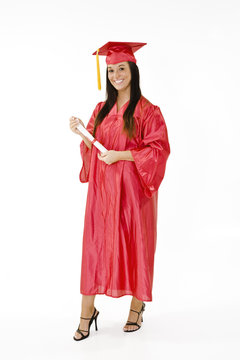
98, 71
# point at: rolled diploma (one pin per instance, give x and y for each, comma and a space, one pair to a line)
86, 133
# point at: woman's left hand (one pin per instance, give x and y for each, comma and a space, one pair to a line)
109, 157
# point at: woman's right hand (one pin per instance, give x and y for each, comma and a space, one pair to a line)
74, 122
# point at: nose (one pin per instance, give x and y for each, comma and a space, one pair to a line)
116, 76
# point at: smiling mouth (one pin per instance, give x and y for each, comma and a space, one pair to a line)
118, 81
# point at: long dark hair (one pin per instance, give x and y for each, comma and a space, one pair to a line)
111, 95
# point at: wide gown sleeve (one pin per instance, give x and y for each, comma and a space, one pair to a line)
85, 152
151, 155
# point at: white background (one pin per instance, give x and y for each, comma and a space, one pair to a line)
190, 69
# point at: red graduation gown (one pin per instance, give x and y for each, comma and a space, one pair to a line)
120, 224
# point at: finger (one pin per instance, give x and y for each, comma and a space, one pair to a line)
75, 125
74, 119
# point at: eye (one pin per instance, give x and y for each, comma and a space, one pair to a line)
110, 70
122, 68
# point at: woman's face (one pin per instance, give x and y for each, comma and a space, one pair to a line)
119, 75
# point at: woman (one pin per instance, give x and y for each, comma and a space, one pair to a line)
120, 225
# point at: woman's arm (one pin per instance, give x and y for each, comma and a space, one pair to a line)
150, 157
125, 155
87, 141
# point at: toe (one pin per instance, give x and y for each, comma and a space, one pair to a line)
77, 335
130, 327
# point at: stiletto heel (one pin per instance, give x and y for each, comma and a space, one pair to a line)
94, 317
96, 322
135, 323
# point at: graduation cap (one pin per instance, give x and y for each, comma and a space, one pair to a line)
116, 52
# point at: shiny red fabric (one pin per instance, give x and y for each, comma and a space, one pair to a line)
117, 51
120, 224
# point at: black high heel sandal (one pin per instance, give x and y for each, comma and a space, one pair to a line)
94, 317
135, 323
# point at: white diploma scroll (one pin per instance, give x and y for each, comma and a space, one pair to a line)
96, 143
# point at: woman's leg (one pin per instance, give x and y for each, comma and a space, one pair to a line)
88, 303
87, 312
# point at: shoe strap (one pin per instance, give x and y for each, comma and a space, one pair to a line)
80, 332
85, 318
136, 311
139, 312
90, 317
142, 309
132, 323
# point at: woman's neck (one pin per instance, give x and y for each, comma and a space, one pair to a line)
123, 96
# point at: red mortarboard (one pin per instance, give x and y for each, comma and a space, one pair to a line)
116, 52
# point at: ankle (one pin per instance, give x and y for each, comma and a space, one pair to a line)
87, 309
136, 301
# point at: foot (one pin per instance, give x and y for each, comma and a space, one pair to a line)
87, 313
135, 305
